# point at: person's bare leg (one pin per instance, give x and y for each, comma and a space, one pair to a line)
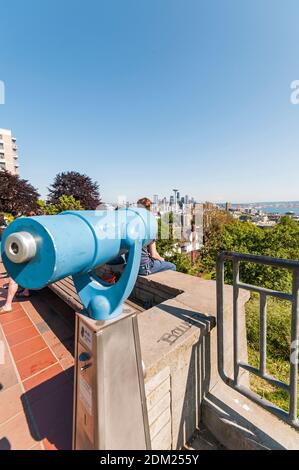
12, 290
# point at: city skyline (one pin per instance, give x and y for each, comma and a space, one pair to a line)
194, 95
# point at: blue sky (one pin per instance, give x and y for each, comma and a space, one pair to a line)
148, 95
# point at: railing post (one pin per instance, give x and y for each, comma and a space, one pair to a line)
236, 275
263, 333
294, 344
220, 319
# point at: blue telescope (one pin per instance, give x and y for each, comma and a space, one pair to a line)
37, 251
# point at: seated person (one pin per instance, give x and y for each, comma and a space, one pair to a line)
151, 261
11, 293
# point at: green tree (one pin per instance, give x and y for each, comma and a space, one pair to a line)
65, 203
166, 246
184, 263
68, 203
282, 241
214, 222
47, 208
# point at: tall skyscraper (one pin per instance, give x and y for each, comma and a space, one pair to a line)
8, 152
175, 197
156, 199
186, 199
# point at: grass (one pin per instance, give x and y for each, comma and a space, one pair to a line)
278, 347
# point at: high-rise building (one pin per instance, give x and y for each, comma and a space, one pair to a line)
156, 199
186, 199
8, 152
164, 204
175, 197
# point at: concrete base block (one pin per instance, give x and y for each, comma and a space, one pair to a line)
158, 400
240, 424
179, 349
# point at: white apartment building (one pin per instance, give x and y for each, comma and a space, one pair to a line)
8, 152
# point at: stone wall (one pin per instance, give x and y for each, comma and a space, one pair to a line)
179, 349
178, 337
158, 395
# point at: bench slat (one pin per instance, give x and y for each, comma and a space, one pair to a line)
66, 290
67, 285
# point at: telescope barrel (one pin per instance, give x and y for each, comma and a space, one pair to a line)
37, 251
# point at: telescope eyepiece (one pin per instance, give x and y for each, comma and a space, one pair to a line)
20, 247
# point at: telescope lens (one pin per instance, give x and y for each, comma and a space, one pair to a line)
20, 247
14, 248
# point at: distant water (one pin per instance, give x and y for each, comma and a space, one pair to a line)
279, 210
272, 208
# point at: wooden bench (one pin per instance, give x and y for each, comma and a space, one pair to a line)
66, 290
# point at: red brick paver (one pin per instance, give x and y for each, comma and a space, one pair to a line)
36, 386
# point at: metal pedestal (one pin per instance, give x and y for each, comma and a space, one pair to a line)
109, 398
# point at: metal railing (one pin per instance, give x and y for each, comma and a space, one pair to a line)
239, 365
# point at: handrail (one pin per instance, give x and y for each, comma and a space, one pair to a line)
292, 387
